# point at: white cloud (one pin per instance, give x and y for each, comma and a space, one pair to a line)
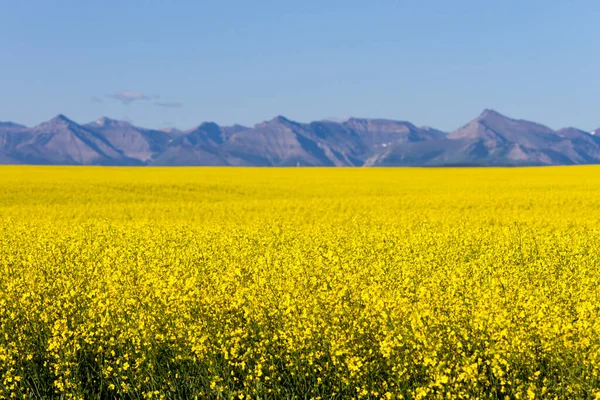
127, 97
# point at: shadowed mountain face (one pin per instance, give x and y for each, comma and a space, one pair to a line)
489, 139
133, 142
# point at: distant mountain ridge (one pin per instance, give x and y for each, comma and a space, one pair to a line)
491, 139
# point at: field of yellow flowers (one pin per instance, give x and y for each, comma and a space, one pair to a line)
185, 283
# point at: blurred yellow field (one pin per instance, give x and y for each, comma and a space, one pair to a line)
299, 283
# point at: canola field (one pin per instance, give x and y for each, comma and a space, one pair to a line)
299, 283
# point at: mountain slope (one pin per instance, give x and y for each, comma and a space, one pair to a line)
60, 141
381, 133
278, 142
494, 139
490, 139
133, 142
200, 146
284, 142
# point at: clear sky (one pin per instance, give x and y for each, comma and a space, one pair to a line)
178, 63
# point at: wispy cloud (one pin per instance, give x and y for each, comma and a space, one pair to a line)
127, 97
97, 99
168, 104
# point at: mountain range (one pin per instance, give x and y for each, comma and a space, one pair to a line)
491, 139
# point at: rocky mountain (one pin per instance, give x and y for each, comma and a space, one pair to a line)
491, 139
199, 146
59, 141
132, 142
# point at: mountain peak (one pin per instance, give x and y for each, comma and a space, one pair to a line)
489, 113
209, 128
208, 125
103, 121
60, 118
281, 119
59, 121
278, 120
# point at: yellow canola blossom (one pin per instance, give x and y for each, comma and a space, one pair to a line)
183, 283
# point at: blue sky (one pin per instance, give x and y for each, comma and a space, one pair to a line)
178, 63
